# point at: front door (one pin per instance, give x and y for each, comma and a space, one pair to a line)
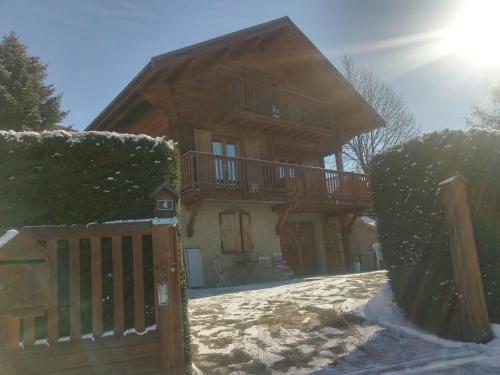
298, 247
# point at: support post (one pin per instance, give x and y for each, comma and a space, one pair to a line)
192, 218
9, 341
346, 229
466, 273
169, 316
338, 160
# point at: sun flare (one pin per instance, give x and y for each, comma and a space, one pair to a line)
475, 33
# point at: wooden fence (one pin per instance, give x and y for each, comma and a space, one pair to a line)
104, 316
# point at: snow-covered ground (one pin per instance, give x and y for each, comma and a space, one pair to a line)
322, 325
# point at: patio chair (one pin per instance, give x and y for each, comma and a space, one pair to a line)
223, 280
377, 249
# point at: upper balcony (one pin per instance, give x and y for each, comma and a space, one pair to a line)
212, 176
257, 105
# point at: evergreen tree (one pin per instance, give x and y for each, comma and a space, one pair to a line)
26, 102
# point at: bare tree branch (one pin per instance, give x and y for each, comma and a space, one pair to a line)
487, 117
400, 122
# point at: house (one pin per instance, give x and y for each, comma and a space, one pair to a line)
254, 113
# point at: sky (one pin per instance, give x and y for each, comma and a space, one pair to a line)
94, 48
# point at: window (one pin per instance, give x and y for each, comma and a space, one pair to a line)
225, 169
235, 232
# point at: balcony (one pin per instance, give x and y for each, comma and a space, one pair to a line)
253, 104
222, 177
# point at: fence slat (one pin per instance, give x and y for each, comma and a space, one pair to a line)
96, 280
118, 303
28, 331
139, 318
74, 289
53, 312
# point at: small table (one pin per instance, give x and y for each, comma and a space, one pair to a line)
246, 265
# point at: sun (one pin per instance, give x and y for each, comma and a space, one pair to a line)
475, 33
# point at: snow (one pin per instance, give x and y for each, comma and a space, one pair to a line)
447, 181
77, 137
323, 325
368, 220
8, 236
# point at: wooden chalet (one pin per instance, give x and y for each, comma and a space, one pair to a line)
254, 113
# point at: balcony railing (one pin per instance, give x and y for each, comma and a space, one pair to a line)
244, 178
276, 104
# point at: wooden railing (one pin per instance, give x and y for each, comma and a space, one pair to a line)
251, 177
276, 104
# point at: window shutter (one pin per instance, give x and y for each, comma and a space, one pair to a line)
246, 232
230, 232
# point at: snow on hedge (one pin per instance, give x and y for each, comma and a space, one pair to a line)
63, 177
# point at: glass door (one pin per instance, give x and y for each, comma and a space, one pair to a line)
226, 169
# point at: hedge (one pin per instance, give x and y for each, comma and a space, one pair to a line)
411, 224
60, 177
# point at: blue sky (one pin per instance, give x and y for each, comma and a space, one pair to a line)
94, 48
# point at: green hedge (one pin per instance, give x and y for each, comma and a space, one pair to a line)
411, 223
60, 177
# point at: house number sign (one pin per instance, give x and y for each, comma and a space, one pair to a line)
164, 205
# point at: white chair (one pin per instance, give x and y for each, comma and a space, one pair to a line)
377, 249
223, 280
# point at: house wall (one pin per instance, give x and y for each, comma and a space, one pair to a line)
207, 238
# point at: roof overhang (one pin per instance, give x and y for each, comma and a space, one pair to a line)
355, 115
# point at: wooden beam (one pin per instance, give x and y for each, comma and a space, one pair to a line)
164, 99
181, 69
9, 350
346, 229
238, 52
283, 215
465, 261
268, 38
195, 206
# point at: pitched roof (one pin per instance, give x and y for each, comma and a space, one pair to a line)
371, 119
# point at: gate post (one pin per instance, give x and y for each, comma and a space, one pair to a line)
9, 339
168, 301
466, 273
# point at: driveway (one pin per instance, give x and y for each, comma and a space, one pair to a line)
313, 325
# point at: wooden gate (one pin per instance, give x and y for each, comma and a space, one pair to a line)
108, 313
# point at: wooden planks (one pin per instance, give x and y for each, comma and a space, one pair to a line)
57, 232
96, 285
74, 289
466, 273
169, 317
9, 338
53, 312
28, 331
131, 355
118, 300
140, 323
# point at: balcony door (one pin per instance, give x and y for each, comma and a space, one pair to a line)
225, 166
